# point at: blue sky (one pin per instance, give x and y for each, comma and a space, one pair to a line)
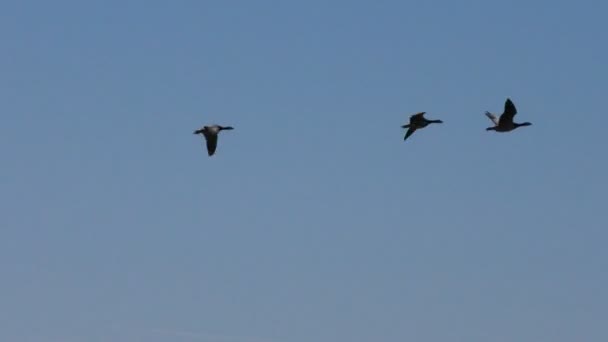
314, 221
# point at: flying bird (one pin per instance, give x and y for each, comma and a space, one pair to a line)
417, 121
210, 133
505, 122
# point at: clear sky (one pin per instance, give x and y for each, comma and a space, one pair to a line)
314, 222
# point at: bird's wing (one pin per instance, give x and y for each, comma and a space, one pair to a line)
409, 132
417, 116
211, 143
492, 117
510, 110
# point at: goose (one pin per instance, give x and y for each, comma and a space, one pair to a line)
210, 133
417, 121
505, 122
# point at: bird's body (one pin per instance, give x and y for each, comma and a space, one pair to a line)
505, 122
211, 133
417, 121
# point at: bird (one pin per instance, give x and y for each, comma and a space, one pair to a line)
210, 133
505, 122
417, 121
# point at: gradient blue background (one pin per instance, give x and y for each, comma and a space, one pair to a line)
314, 222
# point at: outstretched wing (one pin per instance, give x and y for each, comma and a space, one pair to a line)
510, 110
211, 143
417, 116
492, 117
409, 132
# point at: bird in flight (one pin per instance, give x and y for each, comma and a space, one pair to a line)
417, 121
210, 133
505, 122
